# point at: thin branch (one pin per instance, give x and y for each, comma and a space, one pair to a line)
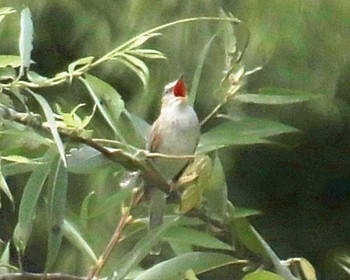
125, 219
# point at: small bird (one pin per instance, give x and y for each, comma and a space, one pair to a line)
175, 132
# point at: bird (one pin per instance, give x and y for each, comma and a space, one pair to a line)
175, 132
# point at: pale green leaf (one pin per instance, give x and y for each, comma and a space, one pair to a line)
58, 184
107, 204
5, 11
136, 65
85, 160
247, 131
5, 188
52, 124
147, 53
199, 69
84, 210
7, 73
77, 240
107, 99
199, 262
277, 96
262, 275
26, 38
196, 238
29, 201
19, 159
142, 249
10, 60
180, 247
37, 78
80, 62
215, 193
4, 259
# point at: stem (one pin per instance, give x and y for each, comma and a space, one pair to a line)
125, 219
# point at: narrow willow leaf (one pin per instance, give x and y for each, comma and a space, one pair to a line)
147, 53
196, 238
7, 73
142, 249
80, 62
5, 259
107, 204
136, 65
199, 69
215, 193
277, 96
5, 11
10, 60
26, 39
18, 168
77, 240
199, 262
262, 275
85, 160
52, 124
243, 230
107, 99
180, 247
84, 211
29, 201
19, 159
247, 131
37, 78
57, 206
4, 187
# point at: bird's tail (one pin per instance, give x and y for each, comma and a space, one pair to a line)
156, 213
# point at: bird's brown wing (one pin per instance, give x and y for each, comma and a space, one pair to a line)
155, 138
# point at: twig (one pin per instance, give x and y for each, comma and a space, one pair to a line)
125, 219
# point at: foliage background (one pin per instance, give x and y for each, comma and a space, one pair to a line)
303, 191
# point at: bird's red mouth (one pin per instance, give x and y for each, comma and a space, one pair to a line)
179, 89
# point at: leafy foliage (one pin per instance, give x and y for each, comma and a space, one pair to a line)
98, 156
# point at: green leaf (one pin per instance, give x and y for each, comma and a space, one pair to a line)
247, 131
136, 65
107, 99
7, 73
243, 230
84, 210
215, 193
180, 247
37, 78
240, 212
147, 53
17, 168
57, 207
85, 160
20, 159
4, 187
4, 258
191, 198
26, 39
10, 60
195, 238
6, 11
199, 262
29, 201
198, 72
77, 240
262, 275
142, 249
82, 61
277, 96
52, 124
107, 204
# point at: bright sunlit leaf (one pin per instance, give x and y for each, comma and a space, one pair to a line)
26, 39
